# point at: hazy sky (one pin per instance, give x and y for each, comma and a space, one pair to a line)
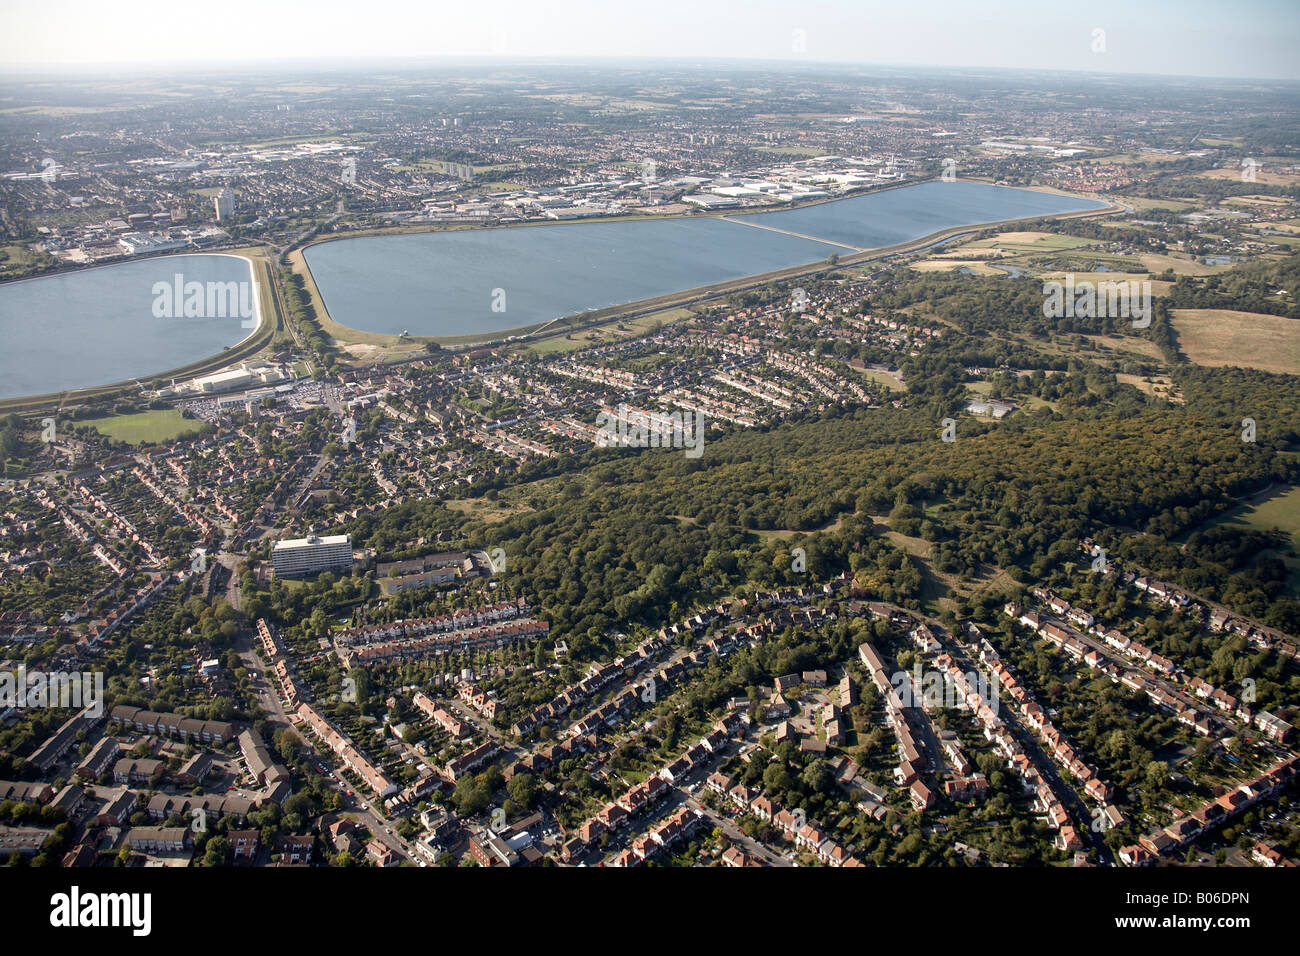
1245, 38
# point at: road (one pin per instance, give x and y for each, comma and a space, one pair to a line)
1043, 762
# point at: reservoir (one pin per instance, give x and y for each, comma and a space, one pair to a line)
119, 322
113, 323
487, 280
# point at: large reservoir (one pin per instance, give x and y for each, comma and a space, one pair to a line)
487, 280
114, 323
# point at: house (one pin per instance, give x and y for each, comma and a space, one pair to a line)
69, 799
142, 771
158, 839
1136, 856
921, 795
117, 809
734, 857
295, 850
1273, 727
719, 783
612, 815
1067, 839
380, 853
245, 843
1157, 843
22, 792
786, 683
787, 822
99, 759
1267, 855
194, 770
1099, 790
848, 692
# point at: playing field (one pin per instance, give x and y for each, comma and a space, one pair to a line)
145, 428
1218, 337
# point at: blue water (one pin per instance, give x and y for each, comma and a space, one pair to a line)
97, 326
897, 215
446, 283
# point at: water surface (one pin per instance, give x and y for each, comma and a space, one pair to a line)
97, 326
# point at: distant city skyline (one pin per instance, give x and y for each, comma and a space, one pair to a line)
1246, 39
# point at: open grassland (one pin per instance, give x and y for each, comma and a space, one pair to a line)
145, 428
1251, 202
889, 380
1138, 159
1157, 287
1158, 385
17, 259
1128, 343
1182, 265
1142, 203
1020, 242
948, 265
1217, 337
1280, 509
1265, 176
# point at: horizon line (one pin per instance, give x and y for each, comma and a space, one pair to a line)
91, 69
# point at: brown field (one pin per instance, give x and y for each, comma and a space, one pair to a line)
889, 380
1257, 201
1141, 203
948, 265
1285, 225
1159, 385
1217, 337
1133, 159
1266, 176
1157, 287
1129, 343
1181, 266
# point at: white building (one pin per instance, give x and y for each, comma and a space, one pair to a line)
225, 203
311, 554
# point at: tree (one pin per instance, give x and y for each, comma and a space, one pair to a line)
523, 790
217, 852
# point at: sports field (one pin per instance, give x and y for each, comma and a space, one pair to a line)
145, 428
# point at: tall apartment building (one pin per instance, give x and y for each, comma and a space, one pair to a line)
225, 204
311, 554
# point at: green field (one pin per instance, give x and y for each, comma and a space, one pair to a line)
1281, 510
145, 428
